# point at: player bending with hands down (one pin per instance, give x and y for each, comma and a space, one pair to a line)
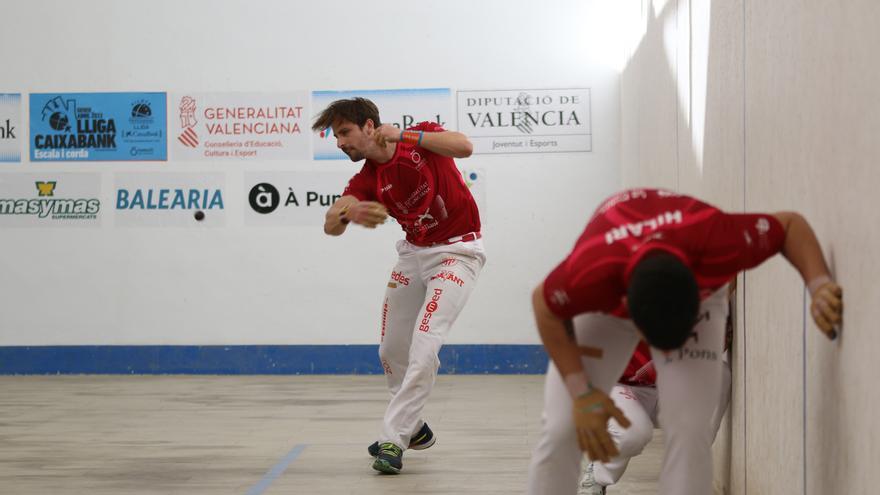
654, 265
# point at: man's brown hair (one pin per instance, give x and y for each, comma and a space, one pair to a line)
355, 110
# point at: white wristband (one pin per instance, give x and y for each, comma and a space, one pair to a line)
577, 385
813, 285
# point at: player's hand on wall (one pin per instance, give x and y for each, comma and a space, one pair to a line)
591, 414
385, 134
827, 308
367, 213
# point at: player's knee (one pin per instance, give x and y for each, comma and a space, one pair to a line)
425, 352
391, 353
631, 441
424, 363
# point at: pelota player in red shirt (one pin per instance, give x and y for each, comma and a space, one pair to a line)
411, 176
654, 264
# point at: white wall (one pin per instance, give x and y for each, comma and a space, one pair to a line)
765, 106
240, 285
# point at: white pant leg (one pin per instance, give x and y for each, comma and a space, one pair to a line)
636, 404
689, 387
556, 461
449, 274
400, 308
724, 400
632, 441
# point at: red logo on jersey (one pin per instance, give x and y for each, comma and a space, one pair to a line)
627, 392
449, 262
430, 308
384, 318
399, 278
646, 375
447, 275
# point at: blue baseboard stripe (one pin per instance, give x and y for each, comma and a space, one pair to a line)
462, 359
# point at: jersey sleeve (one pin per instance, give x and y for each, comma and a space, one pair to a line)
361, 187
742, 241
571, 289
427, 127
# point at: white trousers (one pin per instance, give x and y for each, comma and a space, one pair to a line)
639, 405
688, 387
426, 292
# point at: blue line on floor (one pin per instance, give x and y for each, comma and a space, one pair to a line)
276, 471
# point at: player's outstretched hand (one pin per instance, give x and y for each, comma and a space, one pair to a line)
367, 213
827, 308
591, 414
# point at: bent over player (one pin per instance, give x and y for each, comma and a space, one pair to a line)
654, 264
411, 176
635, 395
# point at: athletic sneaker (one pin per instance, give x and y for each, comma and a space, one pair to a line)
588, 484
390, 459
423, 439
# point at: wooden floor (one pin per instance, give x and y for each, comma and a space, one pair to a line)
266, 435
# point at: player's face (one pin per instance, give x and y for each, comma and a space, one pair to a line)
354, 141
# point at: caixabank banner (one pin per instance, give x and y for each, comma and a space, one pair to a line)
98, 127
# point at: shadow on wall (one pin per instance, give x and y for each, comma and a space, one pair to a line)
673, 138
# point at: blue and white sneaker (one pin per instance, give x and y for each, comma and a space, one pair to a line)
423, 439
389, 460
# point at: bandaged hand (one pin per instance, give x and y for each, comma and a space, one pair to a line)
592, 411
385, 134
826, 307
367, 213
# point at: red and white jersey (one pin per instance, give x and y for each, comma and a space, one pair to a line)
715, 245
423, 191
640, 371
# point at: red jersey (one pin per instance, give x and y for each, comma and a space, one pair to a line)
422, 190
713, 244
640, 371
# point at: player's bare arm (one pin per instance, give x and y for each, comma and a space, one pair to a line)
348, 209
447, 143
592, 406
802, 250
559, 346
